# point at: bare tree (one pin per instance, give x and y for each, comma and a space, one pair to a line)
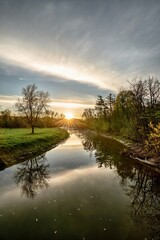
138, 87
153, 92
32, 175
33, 104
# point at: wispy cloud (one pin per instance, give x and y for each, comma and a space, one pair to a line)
69, 70
7, 102
71, 104
99, 44
8, 99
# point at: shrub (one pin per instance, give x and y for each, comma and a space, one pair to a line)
152, 144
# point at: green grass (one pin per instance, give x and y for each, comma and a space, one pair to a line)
22, 137
18, 144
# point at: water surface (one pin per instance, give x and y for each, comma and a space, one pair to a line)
82, 189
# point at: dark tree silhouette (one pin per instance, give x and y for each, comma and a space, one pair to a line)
6, 118
32, 175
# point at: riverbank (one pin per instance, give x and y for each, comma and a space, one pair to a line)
17, 145
135, 151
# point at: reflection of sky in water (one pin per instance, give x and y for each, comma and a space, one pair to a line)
69, 155
81, 202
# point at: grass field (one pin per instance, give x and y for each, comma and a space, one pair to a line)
18, 144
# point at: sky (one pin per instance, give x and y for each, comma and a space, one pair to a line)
76, 49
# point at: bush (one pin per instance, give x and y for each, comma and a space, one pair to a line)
152, 144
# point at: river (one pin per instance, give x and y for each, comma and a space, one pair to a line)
82, 189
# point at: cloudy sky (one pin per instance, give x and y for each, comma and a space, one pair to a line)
76, 49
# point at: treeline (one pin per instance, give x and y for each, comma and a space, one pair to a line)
32, 110
130, 112
9, 120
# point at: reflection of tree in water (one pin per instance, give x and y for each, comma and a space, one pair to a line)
32, 175
105, 151
140, 183
144, 190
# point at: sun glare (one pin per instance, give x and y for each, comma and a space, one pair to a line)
68, 116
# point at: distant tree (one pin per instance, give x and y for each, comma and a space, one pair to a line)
50, 118
88, 113
62, 115
6, 118
101, 107
33, 104
109, 103
110, 100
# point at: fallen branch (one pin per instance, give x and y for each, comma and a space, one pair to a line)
145, 161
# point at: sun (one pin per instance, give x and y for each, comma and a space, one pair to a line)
68, 116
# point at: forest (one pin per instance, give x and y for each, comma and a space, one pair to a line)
133, 113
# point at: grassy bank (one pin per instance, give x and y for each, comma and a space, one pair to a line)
16, 145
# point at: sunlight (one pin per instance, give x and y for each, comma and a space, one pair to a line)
68, 116
18, 56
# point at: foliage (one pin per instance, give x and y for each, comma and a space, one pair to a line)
130, 112
124, 113
146, 100
6, 118
152, 144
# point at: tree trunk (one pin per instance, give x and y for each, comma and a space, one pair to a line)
32, 129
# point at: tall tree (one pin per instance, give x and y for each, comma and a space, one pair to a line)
33, 104
100, 107
125, 113
109, 102
147, 102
